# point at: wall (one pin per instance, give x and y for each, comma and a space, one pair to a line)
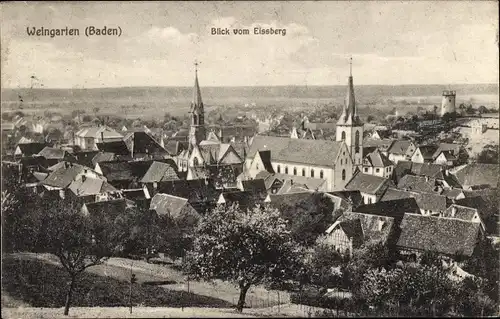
339, 241
396, 158
369, 198
417, 157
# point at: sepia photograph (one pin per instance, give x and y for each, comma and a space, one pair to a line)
209, 159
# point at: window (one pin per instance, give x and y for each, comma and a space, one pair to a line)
356, 142
195, 162
377, 170
286, 169
366, 169
303, 172
257, 166
343, 174
279, 169
343, 135
195, 119
312, 173
295, 171
321, 174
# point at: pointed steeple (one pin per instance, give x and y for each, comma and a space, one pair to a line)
349, 112
197, 102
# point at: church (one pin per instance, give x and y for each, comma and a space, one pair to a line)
206, 157
333, 161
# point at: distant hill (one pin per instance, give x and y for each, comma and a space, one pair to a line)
210, 93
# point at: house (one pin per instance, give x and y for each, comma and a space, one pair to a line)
450, 155
487, 207
401, 150
331, 161
245, 199
85, 157
55, 155
376, 163
253, 185
29, 149
65, 173
434, 171
424, 154
429, 203
159, 172
344, 236
176, 208
445, 236
463, 212
123, 175
277, 183
105, 157
92, 189
371, 187
88, 137
417, 183
201, 194
477, 176
142, 145
383, 145
379, 134
234, 133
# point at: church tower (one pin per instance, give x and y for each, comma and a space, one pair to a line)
197, 131
349, 126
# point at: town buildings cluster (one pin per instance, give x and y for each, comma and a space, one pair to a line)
412, 196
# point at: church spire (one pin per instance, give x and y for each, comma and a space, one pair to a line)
197, 102
349, 112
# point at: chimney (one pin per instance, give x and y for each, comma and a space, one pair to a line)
102, 136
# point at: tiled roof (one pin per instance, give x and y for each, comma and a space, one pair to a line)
195, 190
365, 183
452, 193
52, 153
90, 186
417, 183
115, 147
421, 169
265, 156
460, 212
289, 199
377, 159
426, 201
308, 183
399, 147
103, 157
143, 143
297, 150
427, 151
353, 230
158, 172
165, 204
63, 176
124, 171
395, 208
478, 174
30, 149
243, 198
452, 149
376, 228
383, 145
254, 186
85, 158
95, 132
354, 198
448, 236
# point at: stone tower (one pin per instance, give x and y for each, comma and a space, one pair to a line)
349, 126
197, 132
448, 102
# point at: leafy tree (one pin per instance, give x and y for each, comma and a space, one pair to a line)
470, 110
323, 258
309, 218
489, 155
369, 118
245, 247
482, 109
79, 241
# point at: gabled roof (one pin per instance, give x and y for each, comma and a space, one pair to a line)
254, 186
297, 150
103, 157
452, 193
63, 176
111, 208
460, 212
449, 148
90, 186
39, 161
115, 147
427, 151
143, 143
377, 159
420, 169
278, 200
291, 181
159, 172
417, 183
376, 228
95, 132
448, 236
352, 229
265, 156
395, 208
354, 197
85, 158
426, 201
478, 174
29, 149
399, 147
243, 198
383, 145
215, 153
165, 204
195, 190
124, 171
53, 153
365, 183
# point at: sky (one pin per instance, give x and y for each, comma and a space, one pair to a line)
391, 43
